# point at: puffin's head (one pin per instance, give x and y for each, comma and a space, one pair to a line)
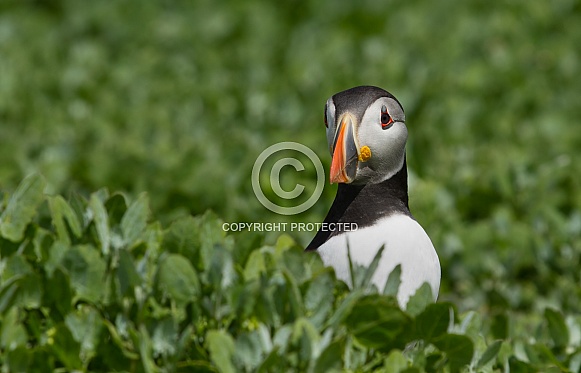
366, 133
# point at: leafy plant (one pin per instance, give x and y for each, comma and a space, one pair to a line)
177, 100
97, 284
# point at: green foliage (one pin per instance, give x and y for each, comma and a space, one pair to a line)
21, 208
176, 299
177, 99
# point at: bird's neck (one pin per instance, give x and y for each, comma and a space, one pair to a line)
366, 204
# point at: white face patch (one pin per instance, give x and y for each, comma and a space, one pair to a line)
387, 144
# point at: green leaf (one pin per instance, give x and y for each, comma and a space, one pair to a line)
433, 321
489, 354
395, 362
305, 335
127, 349
127, 275
282, 336
393, 281
273, 363
221, 273
293, 295
40, 360
222, 348
164, 338
35, 321
85, 325
101, 221
470, 324
251, 348
58, 293
532, 353
178, 279
29, 283
18, 359
499, 327
145, 350
330, 359
116, 206
30, 290
352, 267
42, 242
209, 232
184, 340
9, 293
22, 207
56, 253
195, 238
557, 327
518, 366
101, 194
420, 300
86, 270
370, 271
319, 298
135, 219
64, 346
293, 260
377, 322
255, 265
435, 360
15, 265
247, 244
284, 242
545, 355
458, 348
13, 334
61, 211
180, 237
7, 247
345, 308
265, 308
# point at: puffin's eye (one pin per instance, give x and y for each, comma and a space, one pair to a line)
386, 120
326, 123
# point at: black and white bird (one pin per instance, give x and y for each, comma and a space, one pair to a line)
367, 136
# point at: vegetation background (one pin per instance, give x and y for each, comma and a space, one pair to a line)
178, 98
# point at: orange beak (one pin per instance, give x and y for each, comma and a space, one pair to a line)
344, 163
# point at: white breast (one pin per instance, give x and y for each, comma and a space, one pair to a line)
406, 243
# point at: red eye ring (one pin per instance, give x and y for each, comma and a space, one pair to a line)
386, 119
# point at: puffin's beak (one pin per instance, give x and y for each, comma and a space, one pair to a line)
344, 163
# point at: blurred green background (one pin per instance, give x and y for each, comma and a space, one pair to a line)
178, 98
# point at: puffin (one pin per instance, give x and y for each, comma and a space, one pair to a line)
367, 135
